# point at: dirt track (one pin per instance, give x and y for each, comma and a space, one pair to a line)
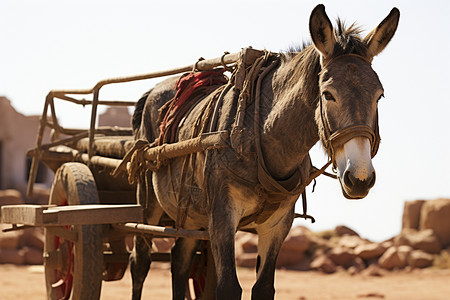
28, 283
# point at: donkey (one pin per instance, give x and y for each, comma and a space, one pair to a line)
327, 91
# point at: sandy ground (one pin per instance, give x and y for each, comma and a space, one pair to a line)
24, 282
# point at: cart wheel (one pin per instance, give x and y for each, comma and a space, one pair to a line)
115, 270
73, 269
202, 280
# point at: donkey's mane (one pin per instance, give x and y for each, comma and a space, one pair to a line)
305, 59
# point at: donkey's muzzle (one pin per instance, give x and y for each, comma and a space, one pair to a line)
355, 188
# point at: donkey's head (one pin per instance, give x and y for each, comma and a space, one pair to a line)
347, 114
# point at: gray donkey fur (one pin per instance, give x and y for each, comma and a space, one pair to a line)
289, 126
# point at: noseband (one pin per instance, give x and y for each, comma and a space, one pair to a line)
334, 140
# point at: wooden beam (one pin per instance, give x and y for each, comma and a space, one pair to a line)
164, 231
44, 215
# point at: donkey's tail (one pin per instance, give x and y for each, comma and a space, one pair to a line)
138, 110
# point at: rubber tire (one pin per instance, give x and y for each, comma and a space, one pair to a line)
74, 184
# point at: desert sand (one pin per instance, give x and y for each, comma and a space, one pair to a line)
25, 282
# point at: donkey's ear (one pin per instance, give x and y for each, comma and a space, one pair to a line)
322, 31
378, 38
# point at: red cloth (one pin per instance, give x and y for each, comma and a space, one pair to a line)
174, 110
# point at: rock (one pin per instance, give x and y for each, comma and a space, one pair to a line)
411, 214
297, 240
420, 259
10, 197
369, 251
40, 196
351, 241
342, 230
12, 256
388, 244
357, 265
424, 240
32, 237
246, 242
341, 256
287, 258
373, 270
353, 270
324, 264
9, 240
32, 256
246, 248
162, 244
293, 248
395, 257
435, 214
246, 260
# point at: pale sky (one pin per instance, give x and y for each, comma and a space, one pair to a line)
73, 44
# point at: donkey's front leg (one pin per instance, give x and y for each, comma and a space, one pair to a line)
222, 230
270, 241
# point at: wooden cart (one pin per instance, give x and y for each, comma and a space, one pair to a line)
90, 212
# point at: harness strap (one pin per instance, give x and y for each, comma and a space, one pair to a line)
336, 139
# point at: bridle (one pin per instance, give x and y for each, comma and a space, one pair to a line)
336, 139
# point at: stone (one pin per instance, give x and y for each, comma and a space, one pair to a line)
420, 259
32, 237
369, 251
373, 270
357, 265
10, 197
163, 244
9, 240
297, 240
40, 196
324, 264
12, 256
246, 260
32, 256
288, 258
395, 257
351, 241
425, 240
435, 215
341, 256
247, 242
342, 230
411, 214
293, 249
353, 270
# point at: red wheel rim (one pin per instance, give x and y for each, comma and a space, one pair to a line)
197, 274
64, 277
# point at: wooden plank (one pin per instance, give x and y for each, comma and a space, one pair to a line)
44, 215
25, 214
92, 214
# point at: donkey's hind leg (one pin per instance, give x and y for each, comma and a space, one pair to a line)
140, 261
182, 253
269, 245
140, 258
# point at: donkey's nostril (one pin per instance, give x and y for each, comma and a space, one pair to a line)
349, 180
371, 180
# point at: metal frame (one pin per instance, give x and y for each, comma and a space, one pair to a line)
76, 134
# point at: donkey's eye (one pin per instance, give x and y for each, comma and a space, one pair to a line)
328, 96
381, 96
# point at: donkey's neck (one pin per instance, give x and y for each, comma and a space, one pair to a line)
289, 129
